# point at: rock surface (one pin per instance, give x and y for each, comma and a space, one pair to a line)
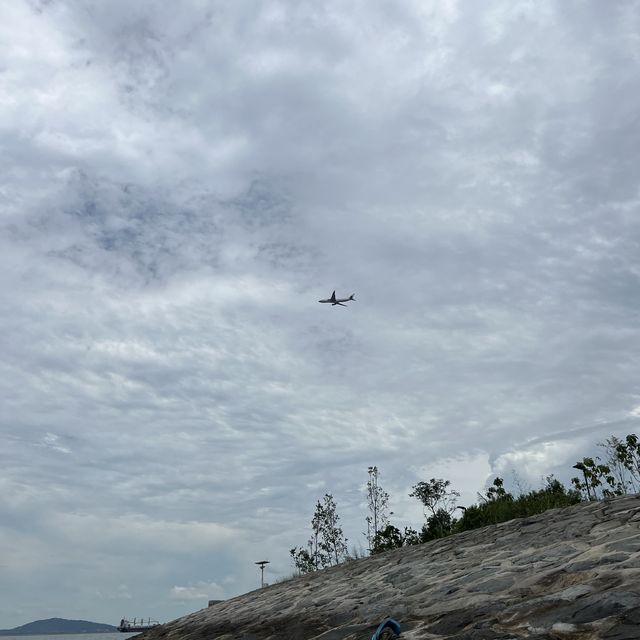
566, 574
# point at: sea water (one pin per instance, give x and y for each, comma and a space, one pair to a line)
74, 636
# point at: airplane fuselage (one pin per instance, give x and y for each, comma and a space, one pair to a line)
334, 301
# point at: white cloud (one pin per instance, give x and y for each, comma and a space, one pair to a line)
52, 441
121, 593
201, 592
533, 464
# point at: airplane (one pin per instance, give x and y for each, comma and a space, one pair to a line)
334, 301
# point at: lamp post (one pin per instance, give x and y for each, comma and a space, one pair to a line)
261, 563
580, 466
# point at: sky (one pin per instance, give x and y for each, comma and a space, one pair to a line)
182, 182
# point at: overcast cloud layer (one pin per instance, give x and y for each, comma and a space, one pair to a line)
181, 183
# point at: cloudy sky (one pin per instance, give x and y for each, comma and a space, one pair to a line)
182, 182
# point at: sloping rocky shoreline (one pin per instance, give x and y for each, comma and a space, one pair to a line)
566, 574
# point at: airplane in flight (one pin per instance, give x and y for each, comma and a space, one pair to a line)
334, 301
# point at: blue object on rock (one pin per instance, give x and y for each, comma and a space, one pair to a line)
388, 622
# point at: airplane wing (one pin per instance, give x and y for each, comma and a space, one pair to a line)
340, 303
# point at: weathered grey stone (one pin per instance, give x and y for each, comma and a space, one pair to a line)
456, 622
573, 593
567, 574
604, 605
493, 585
628, 545
626, 628
583, 565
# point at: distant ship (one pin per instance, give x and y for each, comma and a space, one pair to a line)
126, 626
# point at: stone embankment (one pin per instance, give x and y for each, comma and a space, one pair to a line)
567, 574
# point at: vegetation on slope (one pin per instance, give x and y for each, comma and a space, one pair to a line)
615, 475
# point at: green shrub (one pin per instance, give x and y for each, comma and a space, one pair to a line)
392, 538
439, 525
500, 506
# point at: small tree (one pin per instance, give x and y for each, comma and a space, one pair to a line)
303, 561
388, 538
623, 458
496, 492
333, 543
392, 538
438, 525
377, 501
629, 455
436, 497
314, 544
595, 475
324, 540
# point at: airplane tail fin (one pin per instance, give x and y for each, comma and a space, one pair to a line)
352, 296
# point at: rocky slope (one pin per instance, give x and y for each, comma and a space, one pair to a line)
569, 574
